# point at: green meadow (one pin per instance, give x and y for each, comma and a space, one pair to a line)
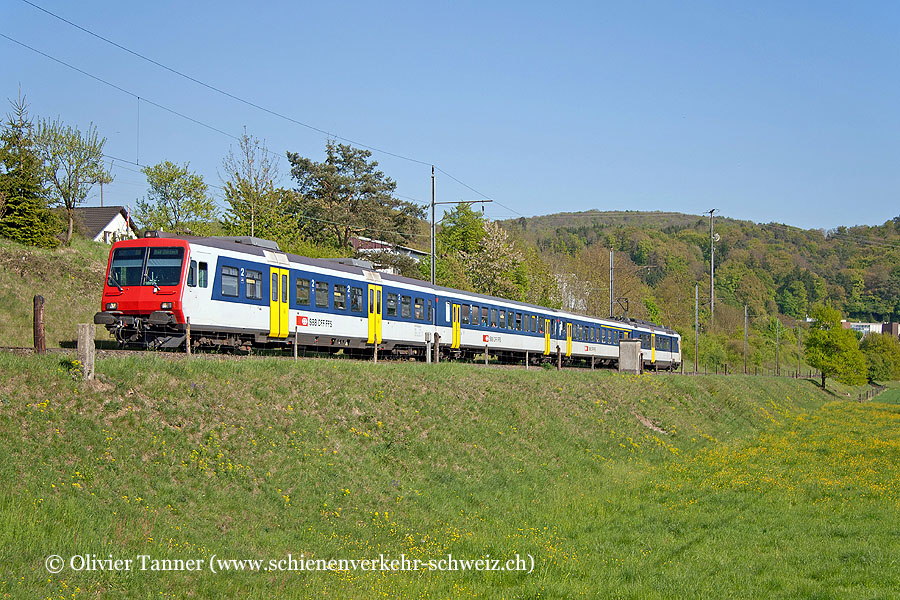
654, 486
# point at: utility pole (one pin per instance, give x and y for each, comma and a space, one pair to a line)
777, 343
432, 224
745, 339
696, 324
799, 349
611, 296
712, 270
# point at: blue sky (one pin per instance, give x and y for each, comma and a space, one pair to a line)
767, 111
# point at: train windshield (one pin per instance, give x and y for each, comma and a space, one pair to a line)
146, 266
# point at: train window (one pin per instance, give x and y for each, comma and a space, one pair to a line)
202, 275
164, 266
274, 287
540, 325
502, 322
127, 266
356, 299
534, 326
518, 321
430, 313
322, 294
405, 307
253, 285
419, 308
464, 314
484, 316
340, 297
303, 292
390, 305
284, 286
230, 281
493, 317
192, 274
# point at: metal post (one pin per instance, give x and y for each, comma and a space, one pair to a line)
712, 270
296, 338
558, 359
187, 336
592, 363
696, 325
745, 339
799, 349
526, 360
485, 355
375, 354
777, 340
40, 341
432, 225
611, 296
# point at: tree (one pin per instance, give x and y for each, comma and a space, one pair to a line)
26, 217
462, 229
492, 266
834, 350
255, 204
73, 162
177, 201
882, 353
349, 196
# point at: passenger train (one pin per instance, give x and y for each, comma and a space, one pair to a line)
242, 292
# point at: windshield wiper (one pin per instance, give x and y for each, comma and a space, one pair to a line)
112, 281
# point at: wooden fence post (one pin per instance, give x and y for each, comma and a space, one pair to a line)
558, 359
86, 349
40, 343
437, 347
187, 336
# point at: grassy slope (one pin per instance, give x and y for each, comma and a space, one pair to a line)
760, 487
70, 279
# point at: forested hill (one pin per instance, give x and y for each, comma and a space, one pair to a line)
769, 267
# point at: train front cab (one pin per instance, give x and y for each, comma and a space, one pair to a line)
144, 286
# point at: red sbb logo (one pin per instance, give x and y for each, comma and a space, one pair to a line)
302, 321
485, 338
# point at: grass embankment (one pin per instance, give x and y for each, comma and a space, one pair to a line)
618, 486
70, 280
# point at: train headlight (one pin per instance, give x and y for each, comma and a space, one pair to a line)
112, 305
166, 306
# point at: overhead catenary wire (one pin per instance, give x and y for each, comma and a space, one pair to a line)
252, 104
140, 98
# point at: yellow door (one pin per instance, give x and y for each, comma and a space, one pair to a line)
568, 339
457, 328
653, 347
375, 312
546, 336
278, 303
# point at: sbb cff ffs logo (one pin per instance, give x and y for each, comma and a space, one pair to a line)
302, 321
493, 339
